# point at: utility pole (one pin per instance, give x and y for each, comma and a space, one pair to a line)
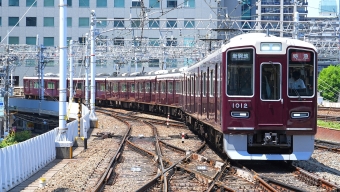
296, 20
93, 117
41, 67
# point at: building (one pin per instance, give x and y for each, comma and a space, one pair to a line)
25, 20
328, 8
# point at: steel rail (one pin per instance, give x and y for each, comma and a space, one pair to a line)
105, 175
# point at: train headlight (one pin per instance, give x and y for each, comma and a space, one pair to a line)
271, 47
299, 115
240, 114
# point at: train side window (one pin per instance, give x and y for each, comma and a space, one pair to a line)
162, 86
240, 72
108, 85
115, 87
204, 84
178, 87
197, 86
218, 81
188, 86
50, 85
36, 85
211, 83
147, 87
123, 87
192, 86
170, 87
157, 87
31, 84
27, 84
153, 88
183, 87
140, 87
102, 87
79, 86
132, 88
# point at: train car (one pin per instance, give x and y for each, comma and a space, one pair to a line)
32, 87
269, 98
254, 98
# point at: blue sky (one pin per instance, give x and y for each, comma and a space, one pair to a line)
313, 8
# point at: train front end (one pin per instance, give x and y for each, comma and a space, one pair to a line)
269, 98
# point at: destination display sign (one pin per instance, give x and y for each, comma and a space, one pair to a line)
300, 56
240, 56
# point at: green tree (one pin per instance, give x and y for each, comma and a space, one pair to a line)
329, 82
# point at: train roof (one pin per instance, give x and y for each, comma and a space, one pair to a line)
170, 75
254, 39
208, 58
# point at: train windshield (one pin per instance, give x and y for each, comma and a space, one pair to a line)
301, 68
240, 67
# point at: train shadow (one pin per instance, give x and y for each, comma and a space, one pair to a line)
314, 166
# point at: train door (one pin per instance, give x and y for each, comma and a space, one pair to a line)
270, 103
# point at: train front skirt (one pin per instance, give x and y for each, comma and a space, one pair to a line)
236, 148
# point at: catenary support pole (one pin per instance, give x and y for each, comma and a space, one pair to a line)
63, 145
93, 117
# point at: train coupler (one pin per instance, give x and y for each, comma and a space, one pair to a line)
270, 138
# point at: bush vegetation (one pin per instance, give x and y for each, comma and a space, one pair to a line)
15, 137
329, 124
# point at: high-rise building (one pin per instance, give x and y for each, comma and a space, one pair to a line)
328, 8
25, 19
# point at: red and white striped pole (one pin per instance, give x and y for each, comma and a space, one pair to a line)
182, 137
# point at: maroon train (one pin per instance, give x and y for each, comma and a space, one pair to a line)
254, 98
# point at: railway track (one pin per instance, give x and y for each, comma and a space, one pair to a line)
328, 113
326, 145
144, 153
285, 177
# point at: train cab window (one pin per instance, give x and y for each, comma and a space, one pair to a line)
163, 87
301, 68
204, 84
132, 88
170, 87
115, 87
270, 81
240, 72
147, 87
178, 87
50, 85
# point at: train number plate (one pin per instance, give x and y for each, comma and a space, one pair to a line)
240, 105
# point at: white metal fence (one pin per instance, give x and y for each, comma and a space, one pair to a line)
20, 161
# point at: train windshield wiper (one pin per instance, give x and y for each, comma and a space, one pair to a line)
297, 93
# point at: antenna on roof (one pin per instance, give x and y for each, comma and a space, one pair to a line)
267, 32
